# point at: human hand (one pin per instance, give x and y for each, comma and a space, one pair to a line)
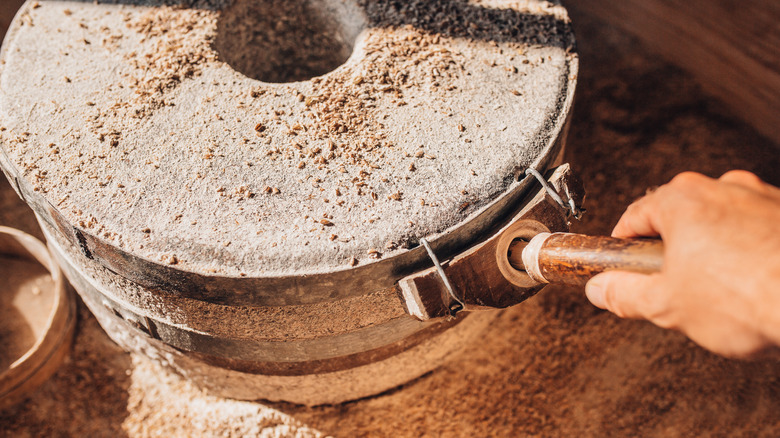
720, 283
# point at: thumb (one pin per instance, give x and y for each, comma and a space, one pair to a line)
626, 294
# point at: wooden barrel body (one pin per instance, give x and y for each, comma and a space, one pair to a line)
248, 226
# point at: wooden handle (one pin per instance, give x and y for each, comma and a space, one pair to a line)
575, 258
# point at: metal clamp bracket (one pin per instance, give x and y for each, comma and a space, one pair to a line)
454, 303
569, 206
475, 278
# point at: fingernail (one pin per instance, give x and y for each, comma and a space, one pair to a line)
595, 293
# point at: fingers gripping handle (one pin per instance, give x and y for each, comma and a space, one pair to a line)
575, 258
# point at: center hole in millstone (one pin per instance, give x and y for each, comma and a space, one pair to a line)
288, 40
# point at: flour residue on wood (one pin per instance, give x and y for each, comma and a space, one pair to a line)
155, 141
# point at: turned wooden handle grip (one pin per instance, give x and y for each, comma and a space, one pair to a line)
575, 258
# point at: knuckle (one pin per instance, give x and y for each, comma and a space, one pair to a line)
687, 187
688, 179
744, 178
740, 175
670, 192
637, 205
632, 210
687, 194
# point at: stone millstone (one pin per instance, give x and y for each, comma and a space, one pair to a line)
264, 138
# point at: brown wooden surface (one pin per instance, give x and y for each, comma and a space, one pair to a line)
730, 47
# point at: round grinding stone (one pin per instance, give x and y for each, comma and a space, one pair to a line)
277, 138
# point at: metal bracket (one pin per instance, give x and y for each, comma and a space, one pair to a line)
569, 206
453, 302
475, 278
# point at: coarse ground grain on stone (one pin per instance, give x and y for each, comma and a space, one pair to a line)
552, 366
145, 127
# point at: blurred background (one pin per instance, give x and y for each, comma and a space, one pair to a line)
665, 86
